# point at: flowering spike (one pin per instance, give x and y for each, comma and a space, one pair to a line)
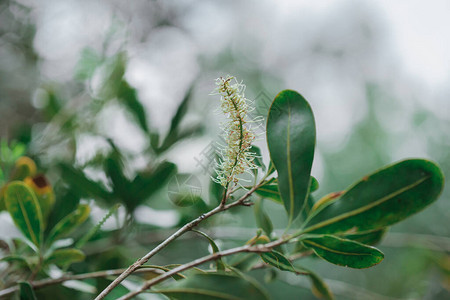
235, 156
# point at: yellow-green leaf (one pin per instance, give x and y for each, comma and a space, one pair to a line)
65, 257
24, 209
69, 223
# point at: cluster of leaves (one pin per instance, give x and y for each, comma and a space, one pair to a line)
29, 199
340, 228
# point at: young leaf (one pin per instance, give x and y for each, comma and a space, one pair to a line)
278, 260
44, 194
343, 252
214, 286
69, 223
219, 263
65, 257
26, 291
24, 209
314, 184
291, 138
262, 219
381, 199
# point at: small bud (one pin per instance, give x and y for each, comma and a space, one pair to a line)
44, 193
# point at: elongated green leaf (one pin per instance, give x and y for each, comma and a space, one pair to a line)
83, 185
24, 209
219, 263
69, 223
319, 288
381, 199
65, 257
343, 252
177, 276
368, 238
278, 260
129, 98
26, 291
145, 184
20, 260
309, 204
181, 112
291, 137
262, 219
214, 286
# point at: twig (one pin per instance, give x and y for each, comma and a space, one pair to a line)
247, 248
52, 281
179, 232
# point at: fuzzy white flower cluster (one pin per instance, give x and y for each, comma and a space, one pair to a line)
236, 155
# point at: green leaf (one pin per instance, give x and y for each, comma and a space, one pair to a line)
214, 286
314, 185
319, 288
83, 185
25, 211
219, 263
187, 132
20, 260
258, 157
26, 291
278, 260
309, 204
270, 191
343, 252
181, 112
262, 219
129, 98
65, 257
368, 238
69, 223
176, 276
291, 138
88, 62
216, 192
381, 199
146, 184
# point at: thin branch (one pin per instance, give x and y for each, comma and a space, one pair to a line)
179, 232
247, 248
52, 281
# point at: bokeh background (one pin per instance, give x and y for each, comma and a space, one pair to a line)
82, 79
